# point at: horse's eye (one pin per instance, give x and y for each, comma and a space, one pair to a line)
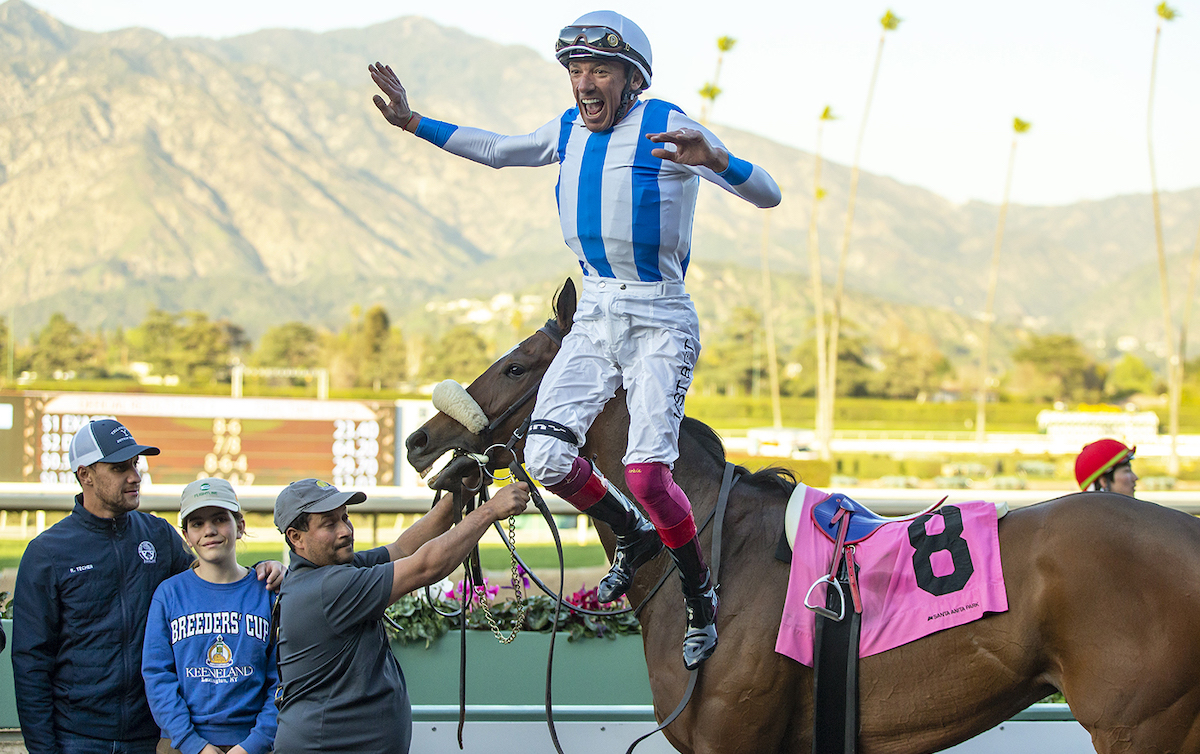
515, 370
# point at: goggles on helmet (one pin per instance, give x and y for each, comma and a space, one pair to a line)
598, 38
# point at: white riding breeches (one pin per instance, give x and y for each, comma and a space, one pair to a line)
644, 337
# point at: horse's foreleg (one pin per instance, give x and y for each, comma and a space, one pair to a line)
747, 695
730, 714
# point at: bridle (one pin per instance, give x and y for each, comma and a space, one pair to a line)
555, 333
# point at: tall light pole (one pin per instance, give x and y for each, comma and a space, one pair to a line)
889, 22
1174, 364
1019, 127
821, 426
710, 91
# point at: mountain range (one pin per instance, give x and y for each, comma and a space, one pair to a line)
252, 178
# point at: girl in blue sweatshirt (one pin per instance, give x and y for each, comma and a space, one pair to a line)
208, 660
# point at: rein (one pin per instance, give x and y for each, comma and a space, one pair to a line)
474, 573
716, 517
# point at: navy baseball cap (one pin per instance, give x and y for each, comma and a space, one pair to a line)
105, 440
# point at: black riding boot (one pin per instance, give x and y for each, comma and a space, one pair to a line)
700, 599
637, 541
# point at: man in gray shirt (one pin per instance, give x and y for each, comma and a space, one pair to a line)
340, 687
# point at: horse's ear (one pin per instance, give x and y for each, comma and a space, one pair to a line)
564, 305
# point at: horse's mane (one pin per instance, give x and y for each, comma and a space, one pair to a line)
772, 477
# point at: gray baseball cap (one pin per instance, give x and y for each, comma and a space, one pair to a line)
310, 496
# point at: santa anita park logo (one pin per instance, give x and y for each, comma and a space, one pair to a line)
219, 666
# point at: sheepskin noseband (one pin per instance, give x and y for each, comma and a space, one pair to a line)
452, 399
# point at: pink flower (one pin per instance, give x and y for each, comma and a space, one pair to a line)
525, 582
491, 592
589, 599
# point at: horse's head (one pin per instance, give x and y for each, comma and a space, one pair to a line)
504, 395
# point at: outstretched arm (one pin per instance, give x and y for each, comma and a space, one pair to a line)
691, 148
432, 524
437, 558
396, 109
702, 153
487, 148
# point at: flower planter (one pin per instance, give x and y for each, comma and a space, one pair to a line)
586, 672
8, 695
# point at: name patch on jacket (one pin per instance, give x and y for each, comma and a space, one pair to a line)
147, 552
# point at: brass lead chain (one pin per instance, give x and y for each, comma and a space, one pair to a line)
481, 593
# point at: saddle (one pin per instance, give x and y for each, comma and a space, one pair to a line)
838, 618
838, 511
863, 523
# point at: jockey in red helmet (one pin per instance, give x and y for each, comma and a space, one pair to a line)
1104, 466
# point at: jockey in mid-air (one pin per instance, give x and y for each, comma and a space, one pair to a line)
629, 173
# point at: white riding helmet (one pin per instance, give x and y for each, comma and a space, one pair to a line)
604, 33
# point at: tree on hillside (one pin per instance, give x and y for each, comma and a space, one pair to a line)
889, 22
235, 338
913, 365
1130, 376
376, 350
61, 346
460, 355
857, 375
731, 362
292, 344
368, 352
7, 365
189, 345
155, 341
375, 331
203, 347
1055, 367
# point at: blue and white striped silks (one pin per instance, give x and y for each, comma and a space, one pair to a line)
625, 213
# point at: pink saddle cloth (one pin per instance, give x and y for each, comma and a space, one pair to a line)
915, 578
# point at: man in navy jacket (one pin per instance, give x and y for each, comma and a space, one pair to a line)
80, 603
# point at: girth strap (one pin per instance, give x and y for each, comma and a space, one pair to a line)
835, 676
835, 646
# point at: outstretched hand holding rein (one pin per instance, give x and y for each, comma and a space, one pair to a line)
691, 149
396, 110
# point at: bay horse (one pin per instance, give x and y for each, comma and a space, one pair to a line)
1103, 595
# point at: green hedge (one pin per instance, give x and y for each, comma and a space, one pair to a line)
866, 413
